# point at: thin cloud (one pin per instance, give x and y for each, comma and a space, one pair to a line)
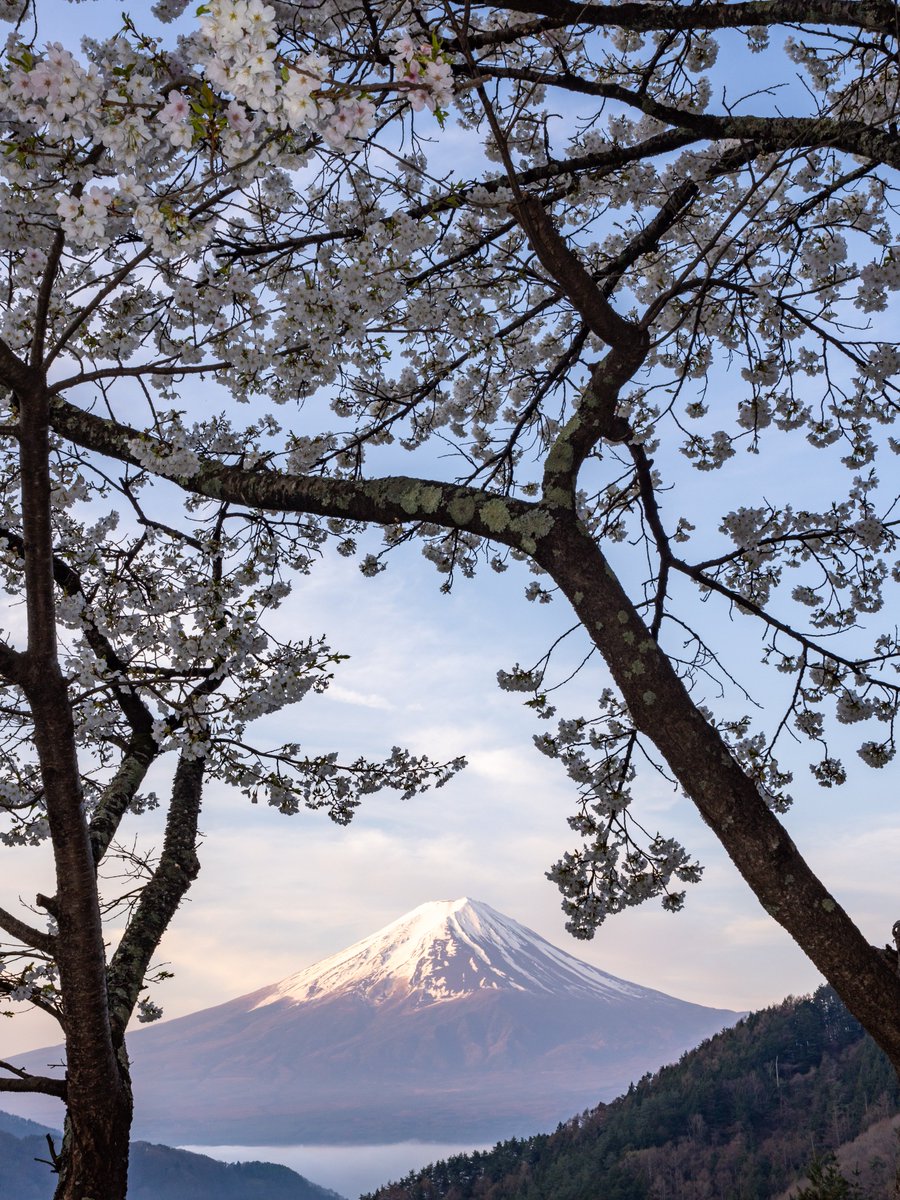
345, 695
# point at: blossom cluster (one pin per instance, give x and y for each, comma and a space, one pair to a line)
759, 763
233, 92
147, 1010
243, 60
425, 71
53, 90
617, 865
877, 279
36, 977
171, 457
83, 218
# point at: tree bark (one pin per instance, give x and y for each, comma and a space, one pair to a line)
858, 14
94, 1160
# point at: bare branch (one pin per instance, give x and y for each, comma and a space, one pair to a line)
32, 1083
876, 16
13, 664
25, 933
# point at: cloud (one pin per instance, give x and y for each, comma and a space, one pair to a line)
859, 861
518, 768
344, 695
751, 931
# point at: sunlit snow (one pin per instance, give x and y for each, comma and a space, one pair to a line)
443, 950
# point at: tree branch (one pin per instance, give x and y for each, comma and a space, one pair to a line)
714, 585
178, 867
390, 500
772, 134
69, 582
727, 799
607, 159
596, 417
564, 265
36, 1002
45, 294
13, 372
142, 748
118, 794
877, 16
32, 1083
26, 933
13, 664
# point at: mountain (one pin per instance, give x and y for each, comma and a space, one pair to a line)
154, 1172
739, 1118
452, 1022
20, 1127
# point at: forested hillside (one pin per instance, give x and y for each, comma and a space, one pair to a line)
739, 1118
156, 1173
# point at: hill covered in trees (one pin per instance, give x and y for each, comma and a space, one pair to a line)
739, 1118
156, 1172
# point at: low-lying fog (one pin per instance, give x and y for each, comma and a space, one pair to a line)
349, 1170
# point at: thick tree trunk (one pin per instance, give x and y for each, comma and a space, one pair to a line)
93, 1164
94, 1160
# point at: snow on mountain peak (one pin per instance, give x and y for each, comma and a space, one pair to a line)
442, 950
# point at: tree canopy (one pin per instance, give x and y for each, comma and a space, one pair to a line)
246, 258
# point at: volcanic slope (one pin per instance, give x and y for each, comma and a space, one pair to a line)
452, 1022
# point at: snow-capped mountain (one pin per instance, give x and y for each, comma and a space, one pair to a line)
454, 1021
445, 950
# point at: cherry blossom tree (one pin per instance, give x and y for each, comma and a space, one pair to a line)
144, 643
245, 260
146, 637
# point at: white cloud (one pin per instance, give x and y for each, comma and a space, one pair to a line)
344, 695
751, 931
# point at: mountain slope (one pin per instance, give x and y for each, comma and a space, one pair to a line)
20, 1127
452, 1022
739, 1118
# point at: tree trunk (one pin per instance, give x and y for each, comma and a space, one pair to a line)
93, 1163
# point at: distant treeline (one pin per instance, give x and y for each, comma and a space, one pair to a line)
739, 1118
